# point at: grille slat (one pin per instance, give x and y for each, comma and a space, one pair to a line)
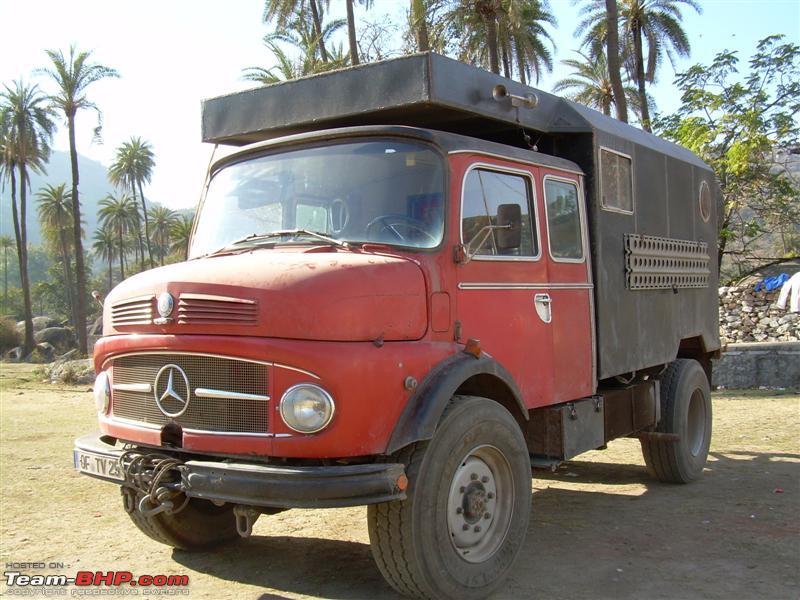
226, 415
133, 311
207, 310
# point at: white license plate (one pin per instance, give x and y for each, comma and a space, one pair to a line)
97, 465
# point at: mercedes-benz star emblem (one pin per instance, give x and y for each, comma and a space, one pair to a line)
171, 390
165, 304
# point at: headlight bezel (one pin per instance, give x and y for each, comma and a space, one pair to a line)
283, 407
102, 386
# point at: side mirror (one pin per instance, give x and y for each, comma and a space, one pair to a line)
508, 234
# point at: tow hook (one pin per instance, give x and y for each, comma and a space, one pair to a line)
246, 517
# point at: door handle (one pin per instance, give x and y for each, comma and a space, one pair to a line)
543, 304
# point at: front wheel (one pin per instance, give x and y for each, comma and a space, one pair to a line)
463, 523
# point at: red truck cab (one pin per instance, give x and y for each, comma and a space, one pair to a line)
401, 317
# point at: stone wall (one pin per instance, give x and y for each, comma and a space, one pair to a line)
759, 365
749, 316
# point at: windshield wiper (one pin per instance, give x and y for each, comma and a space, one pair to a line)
256, 238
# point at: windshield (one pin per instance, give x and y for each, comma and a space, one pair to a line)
379, 191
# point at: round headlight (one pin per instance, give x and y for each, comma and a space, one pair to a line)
306, 408
102, 392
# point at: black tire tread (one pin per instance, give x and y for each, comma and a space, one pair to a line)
661, 457
387, 524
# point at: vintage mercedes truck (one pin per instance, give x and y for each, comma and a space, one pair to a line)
413, 282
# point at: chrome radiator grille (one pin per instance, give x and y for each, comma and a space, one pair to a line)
133, 398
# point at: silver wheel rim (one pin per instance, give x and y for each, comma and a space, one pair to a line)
696, 423
480, 504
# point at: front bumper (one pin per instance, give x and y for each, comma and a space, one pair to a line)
257, 484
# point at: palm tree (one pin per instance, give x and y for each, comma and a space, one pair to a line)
55, 218
118, 213
132, 166
103, 247
613, 59
73, 74
163, 220
26, 128
590, 84
654, 23
180, 234
419, 24
300, 35
524, 37
283, 11
507, 32
6, 244
351, 28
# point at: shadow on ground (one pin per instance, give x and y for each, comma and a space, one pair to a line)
609, 531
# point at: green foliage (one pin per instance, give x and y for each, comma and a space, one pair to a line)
297, 30
9, 336
745, 125
590, 84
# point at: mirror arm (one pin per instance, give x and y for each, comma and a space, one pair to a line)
464, 252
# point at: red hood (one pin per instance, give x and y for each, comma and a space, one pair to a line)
310, 295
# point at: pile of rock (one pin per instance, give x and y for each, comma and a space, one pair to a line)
63, 370
746, 315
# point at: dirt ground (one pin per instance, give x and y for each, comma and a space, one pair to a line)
600, 529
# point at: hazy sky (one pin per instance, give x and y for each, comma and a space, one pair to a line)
173, 53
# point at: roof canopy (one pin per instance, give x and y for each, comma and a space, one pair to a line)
422, 90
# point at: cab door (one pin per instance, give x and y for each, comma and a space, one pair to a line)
570, 295
497, 287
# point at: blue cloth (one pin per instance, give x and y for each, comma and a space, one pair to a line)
770, 284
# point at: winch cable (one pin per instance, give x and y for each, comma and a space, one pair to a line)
144, 474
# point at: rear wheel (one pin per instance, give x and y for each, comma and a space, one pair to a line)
198, 526
685, 411
464, 520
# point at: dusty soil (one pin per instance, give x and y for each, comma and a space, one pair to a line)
601, 528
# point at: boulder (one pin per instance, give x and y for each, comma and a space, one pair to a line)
46, 352
15, 354
39, 323
61, 338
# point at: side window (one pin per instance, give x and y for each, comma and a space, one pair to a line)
563, 219
616, 183
485, 194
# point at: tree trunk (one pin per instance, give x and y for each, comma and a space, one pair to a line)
640, 80
420, 22
21, 234
5, 274
67, 274
614, 66
323, 53
146, 227
521, 67
491, 42
121, 255
506, 63
110, 270
80, 269
140, 241
351, 33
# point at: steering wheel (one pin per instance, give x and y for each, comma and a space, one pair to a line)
391, 222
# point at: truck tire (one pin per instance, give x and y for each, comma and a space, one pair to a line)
685, 411
199, 526
464, 520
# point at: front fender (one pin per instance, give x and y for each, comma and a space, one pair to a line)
421, 415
